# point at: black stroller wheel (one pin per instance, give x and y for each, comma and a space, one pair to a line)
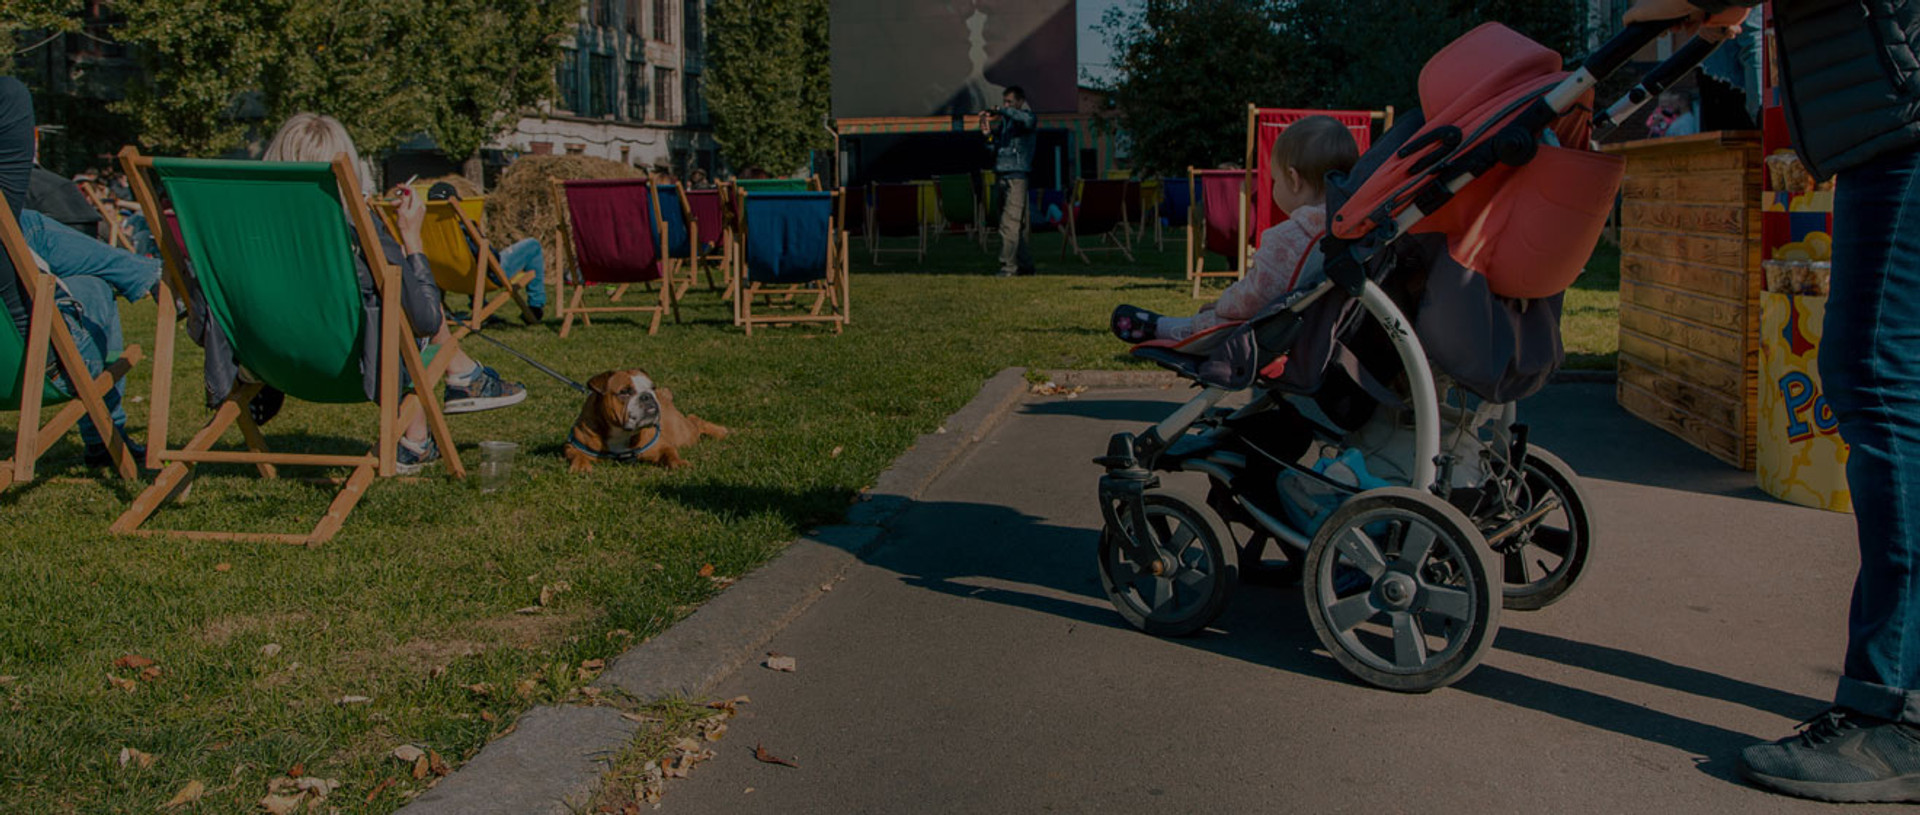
1541, 562
1399, 588
1177, 598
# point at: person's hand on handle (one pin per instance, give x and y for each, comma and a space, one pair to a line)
1714, 27
410, 212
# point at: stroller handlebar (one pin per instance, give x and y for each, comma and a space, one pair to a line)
1614, 53
1683, 61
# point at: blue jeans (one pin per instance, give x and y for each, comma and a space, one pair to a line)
1870, 368
70, 254
94, 319
526, 256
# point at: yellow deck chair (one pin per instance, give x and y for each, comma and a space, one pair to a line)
454, 237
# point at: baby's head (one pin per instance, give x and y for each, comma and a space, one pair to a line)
1303, 155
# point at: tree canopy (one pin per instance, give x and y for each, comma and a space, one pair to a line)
768, 82
1187, 69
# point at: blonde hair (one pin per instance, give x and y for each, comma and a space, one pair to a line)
318, 137
1315, 146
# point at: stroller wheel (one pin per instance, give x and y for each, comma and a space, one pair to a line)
1541, 562
1186, 591
1399, 588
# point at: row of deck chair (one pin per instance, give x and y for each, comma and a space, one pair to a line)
1116, 212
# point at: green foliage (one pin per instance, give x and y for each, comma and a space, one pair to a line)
458, 70
1189, 68
33, 15
768, 85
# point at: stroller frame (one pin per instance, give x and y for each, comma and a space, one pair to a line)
1405, 557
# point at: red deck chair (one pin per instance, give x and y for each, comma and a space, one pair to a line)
895, 213
1264, 126
1100, 209
608, 227
1213, 222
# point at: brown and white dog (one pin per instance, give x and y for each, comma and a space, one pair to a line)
628, 418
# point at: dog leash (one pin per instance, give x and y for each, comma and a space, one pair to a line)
531, 361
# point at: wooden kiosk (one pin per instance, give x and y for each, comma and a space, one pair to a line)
1690, 283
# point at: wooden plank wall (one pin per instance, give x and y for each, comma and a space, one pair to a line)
1690, 285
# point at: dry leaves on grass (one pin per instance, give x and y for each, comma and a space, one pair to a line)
151, 673
287, 794
127, 685
353, 700
1050, 388
223, 567
706, 570
270, 649
760, 753
836, 451
187, 795
139, 760
132, 661
553, 590
731, 706
781, 662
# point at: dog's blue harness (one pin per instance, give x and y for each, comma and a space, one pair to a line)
573, 441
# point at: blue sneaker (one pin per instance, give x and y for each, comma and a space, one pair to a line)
408, 461
484, 391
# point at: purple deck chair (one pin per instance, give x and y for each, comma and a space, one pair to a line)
610, 227
1100, 208
1213, 222
895, 213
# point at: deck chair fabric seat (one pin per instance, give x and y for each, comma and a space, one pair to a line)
895, 213
611, 229
1100, 209
960, 204
278, 252
681, 255
1216, 198
454, 239
791, 246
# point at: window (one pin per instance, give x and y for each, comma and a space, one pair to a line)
632, 9
599, 85
663, 20
663, 99
569, 80
690, 24
600, 13
695, 105
636, 91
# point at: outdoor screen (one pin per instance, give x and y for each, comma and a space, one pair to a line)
944, 57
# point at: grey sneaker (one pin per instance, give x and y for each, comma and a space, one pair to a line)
408, 461
1842, 756
485, 391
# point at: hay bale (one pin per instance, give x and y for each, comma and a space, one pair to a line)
521, 205
461, 185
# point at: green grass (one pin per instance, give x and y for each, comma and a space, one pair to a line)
415, 601
1590, 323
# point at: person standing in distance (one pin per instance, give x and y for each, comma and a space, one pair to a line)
1852, 97
1011, 134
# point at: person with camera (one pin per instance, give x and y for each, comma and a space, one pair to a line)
1011, 132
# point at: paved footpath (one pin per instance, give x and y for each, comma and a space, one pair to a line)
971, 664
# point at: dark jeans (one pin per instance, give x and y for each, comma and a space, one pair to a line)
1870, 368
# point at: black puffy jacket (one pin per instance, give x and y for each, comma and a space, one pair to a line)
1850, 77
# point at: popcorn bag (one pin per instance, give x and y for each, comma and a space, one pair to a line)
1800, 457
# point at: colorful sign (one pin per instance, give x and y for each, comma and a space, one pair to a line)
1801, 457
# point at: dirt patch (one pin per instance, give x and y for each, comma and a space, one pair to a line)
526, 631
427, 654
219, 630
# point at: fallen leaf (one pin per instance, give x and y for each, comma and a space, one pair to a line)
488, 717
706, 570
618, 634
760, 753
187, 795
837, 450
678, 766
723, 705
408, 754
593, 665
550, 591
132, 661
270, 649
716, 732
140, 760
635, 717
421, 767
7, 680
686, 745
590, 692
379, 788
127, 685
281, 804
281, 785
826, 587
435, 763
353, 700
781, 662
151, 673
480, 689
223, 567
297, 771
526, 689
317, 787
528, 610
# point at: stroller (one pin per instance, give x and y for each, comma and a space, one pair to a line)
1381, 453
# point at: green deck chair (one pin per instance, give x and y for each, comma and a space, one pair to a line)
274, 258
47, 333
960, 206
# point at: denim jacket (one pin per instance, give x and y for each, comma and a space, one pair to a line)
1014, 137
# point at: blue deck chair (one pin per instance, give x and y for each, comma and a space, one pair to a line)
792, 248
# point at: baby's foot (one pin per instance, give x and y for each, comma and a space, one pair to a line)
1134, 324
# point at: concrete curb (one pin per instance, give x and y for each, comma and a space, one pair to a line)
553, 759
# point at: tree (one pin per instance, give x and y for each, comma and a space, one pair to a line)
1187, 70
39, 15
768, 82
458, 70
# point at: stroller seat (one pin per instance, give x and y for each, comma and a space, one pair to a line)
1189, 356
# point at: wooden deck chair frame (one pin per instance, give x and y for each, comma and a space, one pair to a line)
673, 268
874, 238
117, 236
1197, 272
835, 290
397, 408
47, 332
572, 308
486, 271
1120, 235
720, 257
1150, 212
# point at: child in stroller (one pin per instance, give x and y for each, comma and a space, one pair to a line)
1303, 155
1381, 450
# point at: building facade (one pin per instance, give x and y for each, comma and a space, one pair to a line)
630, 89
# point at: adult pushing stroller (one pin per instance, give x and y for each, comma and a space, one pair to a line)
1381, 454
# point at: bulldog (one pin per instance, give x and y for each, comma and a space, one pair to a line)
628, 418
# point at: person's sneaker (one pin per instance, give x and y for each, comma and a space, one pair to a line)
483, 391
1843, 756
97, 457
409, 461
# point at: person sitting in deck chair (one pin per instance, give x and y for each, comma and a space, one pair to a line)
470, 386
1303, 155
